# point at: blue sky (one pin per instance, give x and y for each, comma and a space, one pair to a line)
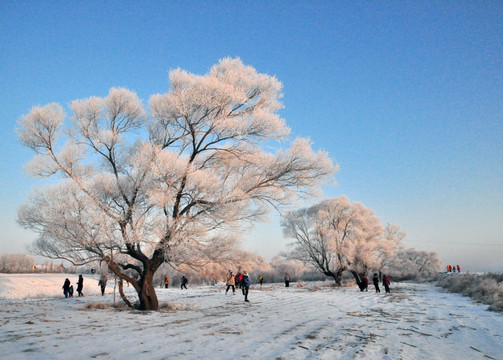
405, 96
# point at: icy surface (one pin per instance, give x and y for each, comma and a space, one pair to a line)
315, 321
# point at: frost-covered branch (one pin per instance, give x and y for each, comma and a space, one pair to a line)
335, 236
167, 183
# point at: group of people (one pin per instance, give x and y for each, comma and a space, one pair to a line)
68, 287
452, 268
364, 285
183, 283
241, 280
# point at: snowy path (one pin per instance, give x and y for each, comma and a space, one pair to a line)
414, 322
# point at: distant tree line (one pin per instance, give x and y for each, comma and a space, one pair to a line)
22, 263
407, 264
16, 263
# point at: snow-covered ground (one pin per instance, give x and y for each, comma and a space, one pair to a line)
415, 321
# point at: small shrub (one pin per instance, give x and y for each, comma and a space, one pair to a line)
169, 307
486, 289
96, 306
301, 284
101, 306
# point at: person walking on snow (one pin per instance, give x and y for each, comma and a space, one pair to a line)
184, 283
103, 284
261, 280
287, 280
459, 269
80, 285
237, 278
375, 279
166, 281
66, 287
230, 283
385, 281
245, 284
366, 282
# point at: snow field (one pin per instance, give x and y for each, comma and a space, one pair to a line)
415, 321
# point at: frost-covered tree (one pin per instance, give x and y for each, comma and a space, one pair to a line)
16, 263
335, 236
389, 245
414, 264
134, 188
284, 265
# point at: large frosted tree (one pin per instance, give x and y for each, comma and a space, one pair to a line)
336, 236
135, 187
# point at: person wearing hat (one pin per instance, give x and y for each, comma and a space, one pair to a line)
245, 284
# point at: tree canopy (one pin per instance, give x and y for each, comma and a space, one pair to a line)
337, 235
136, 186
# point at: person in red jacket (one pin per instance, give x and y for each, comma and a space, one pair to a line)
237, 279
385, 282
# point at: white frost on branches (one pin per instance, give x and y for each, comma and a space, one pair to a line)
137, 187
336, 235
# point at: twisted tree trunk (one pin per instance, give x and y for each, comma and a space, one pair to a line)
123, 296
146, 291
358, 280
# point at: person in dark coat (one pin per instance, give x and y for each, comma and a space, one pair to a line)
287, 280
103, 284
66, 287
375, 279
184, 282
245, 284
385, 281
70, 291
80, 285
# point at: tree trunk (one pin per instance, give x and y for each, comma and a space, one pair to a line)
146, 291
336, 276
144, 286
358, 280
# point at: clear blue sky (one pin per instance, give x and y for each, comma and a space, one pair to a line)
407, 97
